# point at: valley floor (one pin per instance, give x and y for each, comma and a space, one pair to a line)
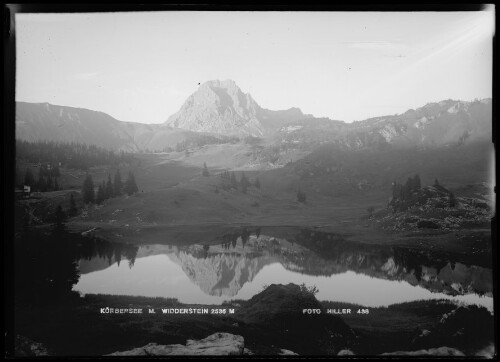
196, 209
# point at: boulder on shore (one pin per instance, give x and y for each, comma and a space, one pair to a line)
25, 347
441, 351
217, 344
280, 313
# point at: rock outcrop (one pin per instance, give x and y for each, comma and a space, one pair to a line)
441, 352
221, 107
278, 312
217, 344
25, 347
466, 328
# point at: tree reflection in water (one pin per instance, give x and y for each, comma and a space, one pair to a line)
46, 263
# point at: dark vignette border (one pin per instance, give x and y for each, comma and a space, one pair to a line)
8, 126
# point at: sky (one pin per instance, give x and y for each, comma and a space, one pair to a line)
141, 66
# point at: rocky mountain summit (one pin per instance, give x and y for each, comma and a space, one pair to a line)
221, 107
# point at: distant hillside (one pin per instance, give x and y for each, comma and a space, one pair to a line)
332, 170
436, 124
47, 122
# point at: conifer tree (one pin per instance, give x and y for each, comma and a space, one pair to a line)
234, 182
130, 185
394, 190
205, 170
104, 190
50, 184
407, 189
416, 182
452, 202
41, 172
117, 185
88, 190
244, 183
59, 216
41, 184
29, 179
56, 172
109, 187
370, 211
72, 206
100, 195
301, 196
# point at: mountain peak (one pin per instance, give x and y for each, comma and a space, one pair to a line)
227, 83
220, 106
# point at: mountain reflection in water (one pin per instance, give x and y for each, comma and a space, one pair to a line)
243, 262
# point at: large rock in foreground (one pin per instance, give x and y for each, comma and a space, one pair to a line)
468, 328
441, 352
217, 344
278, 314
25, 347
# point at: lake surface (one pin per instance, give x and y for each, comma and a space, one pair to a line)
244, 262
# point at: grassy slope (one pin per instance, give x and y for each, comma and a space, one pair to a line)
156, 215
173, 195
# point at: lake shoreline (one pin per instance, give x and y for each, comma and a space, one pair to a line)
471, 246
68, 325
120, 332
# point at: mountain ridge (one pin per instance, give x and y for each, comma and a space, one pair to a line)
220, 109
48, 122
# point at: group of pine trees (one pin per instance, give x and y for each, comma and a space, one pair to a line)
405, 192
59, 216
71, 155
229, 181
108, 189
47, 179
